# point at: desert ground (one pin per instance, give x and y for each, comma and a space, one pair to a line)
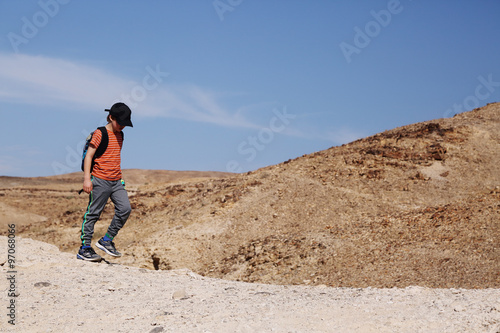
57, 293
397, 232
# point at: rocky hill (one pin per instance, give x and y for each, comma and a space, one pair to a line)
416, 205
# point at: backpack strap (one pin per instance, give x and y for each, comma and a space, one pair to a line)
103, 145
104, 142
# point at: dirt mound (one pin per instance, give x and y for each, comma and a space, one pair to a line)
416, 205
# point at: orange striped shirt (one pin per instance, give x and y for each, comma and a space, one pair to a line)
108, 166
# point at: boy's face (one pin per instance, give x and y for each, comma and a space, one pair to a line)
116, 127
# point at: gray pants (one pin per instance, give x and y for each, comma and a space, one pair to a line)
102, 190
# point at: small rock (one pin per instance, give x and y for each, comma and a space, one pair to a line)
42, 284
179, 295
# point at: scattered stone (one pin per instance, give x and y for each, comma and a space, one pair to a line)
180, 295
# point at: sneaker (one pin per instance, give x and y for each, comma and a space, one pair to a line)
88, 254
108, 247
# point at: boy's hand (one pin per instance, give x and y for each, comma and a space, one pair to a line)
87, 186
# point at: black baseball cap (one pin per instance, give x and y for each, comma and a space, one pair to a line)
122, 113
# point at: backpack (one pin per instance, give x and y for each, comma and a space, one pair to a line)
102, 146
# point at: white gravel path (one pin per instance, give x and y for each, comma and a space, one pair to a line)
58, 293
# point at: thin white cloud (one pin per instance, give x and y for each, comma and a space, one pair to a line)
40, 80
193, 103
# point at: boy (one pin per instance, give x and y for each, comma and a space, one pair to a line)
104, 181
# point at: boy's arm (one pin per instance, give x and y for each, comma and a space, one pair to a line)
87, 163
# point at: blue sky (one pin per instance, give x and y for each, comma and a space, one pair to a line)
233, 85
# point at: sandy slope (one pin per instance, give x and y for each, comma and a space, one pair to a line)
58, 293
